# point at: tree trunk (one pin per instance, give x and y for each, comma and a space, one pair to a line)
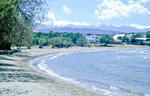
5, 45
29, 47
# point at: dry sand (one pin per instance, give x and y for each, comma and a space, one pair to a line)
18, 79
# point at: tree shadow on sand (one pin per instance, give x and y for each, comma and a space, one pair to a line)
7, 69
7, 65
22, 55
3, 58
20, 77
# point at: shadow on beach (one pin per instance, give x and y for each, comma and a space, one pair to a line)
13, 73
4, 58
7, 65
10, 70
20, 77
22, 55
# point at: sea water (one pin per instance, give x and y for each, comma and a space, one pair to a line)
123, 72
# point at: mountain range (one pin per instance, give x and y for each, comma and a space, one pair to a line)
102, 29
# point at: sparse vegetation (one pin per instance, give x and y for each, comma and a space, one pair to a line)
59, 40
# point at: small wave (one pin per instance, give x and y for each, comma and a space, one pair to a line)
115, 91
145, 57
53, 57
142, 52
133, 51
94, 88
60, 54
93, 51
119, 57
111, 90
106, 91
147, 95
66, 54
114, 88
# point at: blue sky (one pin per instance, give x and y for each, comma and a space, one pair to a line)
134, 13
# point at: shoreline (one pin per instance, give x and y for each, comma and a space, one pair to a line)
22, 80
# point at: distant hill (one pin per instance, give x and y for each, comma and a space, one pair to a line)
103, 29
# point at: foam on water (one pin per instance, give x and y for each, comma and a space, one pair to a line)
144, 57
107, 92
42, 66
114, 88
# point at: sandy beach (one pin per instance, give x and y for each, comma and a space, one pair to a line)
18, 79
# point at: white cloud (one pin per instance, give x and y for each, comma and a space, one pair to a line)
131, 1
138, 1
42, 22
51, 15
143, 1
67, 10
64, 23
115, 8
139, 26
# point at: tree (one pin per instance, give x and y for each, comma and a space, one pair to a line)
89, 34
23, 37
124, 38
82, 41
120, 38
67, 42
134, 36
41, 42
76, 37
57, 39
15, 16
7, 20
148, 35
53, 34
61, 42
106, 39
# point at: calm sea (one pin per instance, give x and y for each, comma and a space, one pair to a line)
109, 72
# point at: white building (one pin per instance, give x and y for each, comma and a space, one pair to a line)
92, 38
145, 41
115, 37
